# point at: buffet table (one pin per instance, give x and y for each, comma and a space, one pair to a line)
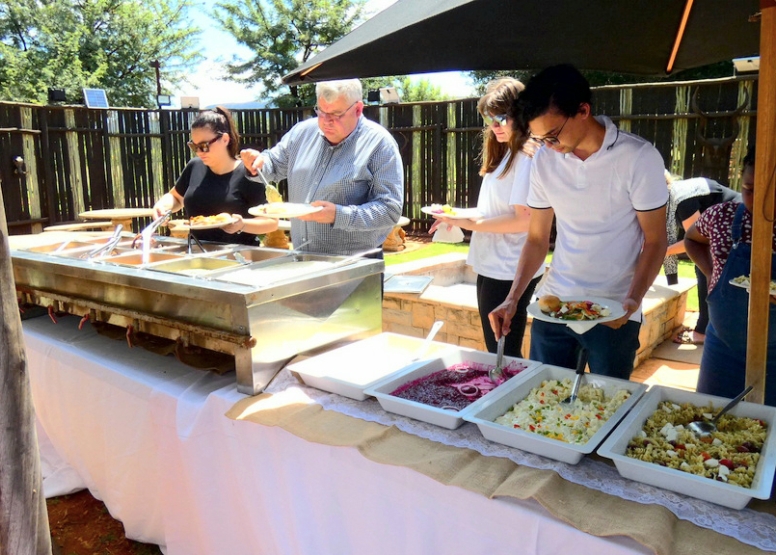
188, 463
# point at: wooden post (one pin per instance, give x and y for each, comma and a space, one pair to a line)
24, 527
764, 195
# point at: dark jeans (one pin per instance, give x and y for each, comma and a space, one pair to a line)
610, 352
703, 307
490, 294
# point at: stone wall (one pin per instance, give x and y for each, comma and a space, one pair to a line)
451, 297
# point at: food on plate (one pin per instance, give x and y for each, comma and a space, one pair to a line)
218, 219
744, 281
572, 310
455, 387
543, 413
729, 455
549, 303
442, 209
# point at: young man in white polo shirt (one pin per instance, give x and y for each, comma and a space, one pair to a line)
606, 189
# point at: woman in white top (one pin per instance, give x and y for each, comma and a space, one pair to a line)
499, 235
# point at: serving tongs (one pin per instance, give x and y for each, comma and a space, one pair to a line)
109, 245
355, 257
151, 228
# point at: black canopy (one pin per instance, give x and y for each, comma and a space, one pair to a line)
626, 36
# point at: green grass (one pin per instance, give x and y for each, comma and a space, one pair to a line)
685, 267
426, 251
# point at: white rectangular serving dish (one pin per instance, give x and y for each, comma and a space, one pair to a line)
678, 481
512, 393
350, 369
445, 418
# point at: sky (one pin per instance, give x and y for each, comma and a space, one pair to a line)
219, 47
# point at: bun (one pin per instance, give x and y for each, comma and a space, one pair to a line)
549, 303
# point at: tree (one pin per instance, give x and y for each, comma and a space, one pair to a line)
283, 34
107, 44
420, 90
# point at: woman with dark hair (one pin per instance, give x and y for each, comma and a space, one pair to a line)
498, 236
216, 182
720, 244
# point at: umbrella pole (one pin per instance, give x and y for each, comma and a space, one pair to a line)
763, 217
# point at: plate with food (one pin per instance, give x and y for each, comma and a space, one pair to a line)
211, 222
284, 209
744, 283
447, 211
568, 311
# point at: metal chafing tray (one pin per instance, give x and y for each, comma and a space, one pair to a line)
264, 306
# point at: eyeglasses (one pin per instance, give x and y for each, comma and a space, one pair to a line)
551, 139
204, 146
335, 117
500, 119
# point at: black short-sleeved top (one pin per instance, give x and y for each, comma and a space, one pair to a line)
206, 193
717, 194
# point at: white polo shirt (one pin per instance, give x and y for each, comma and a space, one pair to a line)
495, 255
595, 202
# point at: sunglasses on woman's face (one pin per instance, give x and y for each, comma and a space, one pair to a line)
204, 146
500, 119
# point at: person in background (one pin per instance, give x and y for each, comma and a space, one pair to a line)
499, 235
687, 200
344, 163
720, 244
607, 192
216, 182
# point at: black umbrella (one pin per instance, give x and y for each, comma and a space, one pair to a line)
649, 37
626, 36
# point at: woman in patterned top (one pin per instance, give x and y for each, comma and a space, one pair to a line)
720, 244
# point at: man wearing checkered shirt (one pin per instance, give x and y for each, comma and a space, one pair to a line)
346, 164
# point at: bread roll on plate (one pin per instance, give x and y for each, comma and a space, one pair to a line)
549, 303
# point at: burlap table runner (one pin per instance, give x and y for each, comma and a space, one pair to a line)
593, 512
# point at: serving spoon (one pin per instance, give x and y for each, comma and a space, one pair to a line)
704, 428
581, 365
496, 374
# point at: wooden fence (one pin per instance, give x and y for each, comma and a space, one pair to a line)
75, 159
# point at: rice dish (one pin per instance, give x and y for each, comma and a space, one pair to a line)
730, 455
542, 412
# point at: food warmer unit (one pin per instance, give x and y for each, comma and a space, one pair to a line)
264, 306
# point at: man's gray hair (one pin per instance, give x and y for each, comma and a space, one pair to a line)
349, 89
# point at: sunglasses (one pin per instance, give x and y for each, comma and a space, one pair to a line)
500, 119
551, 139
204, 146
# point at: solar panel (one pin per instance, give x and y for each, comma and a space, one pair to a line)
95, 98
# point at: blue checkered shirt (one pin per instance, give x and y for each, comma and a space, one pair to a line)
362, 175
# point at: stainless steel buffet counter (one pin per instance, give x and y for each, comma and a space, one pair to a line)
264, 306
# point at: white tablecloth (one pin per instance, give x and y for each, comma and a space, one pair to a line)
148, 436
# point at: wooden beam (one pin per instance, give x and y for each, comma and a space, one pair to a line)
763, 217
24, 527
679, 36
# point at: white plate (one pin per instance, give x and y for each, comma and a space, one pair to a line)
460, 213
615, 308
671, 479
210, 226
433, 415
515, 391
747, 285
350, 369
284, 210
